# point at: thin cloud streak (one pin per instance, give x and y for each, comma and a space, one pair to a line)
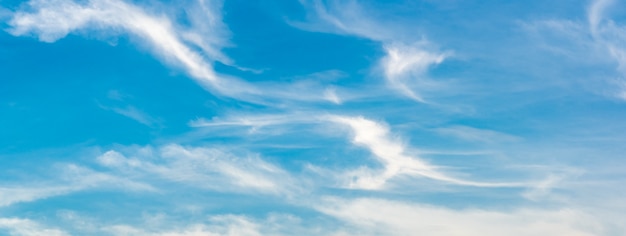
204, 168
12, 195
71, 178
392, 155
478, 135
387, 217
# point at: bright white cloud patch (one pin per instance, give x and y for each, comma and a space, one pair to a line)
52, 20
392, 154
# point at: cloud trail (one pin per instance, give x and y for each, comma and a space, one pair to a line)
392, 155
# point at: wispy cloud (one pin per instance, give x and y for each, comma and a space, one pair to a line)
199, 167
407, 58
52, 20
387, 217
224, 225
397, 160
135, 114
611, 36
26, 227
405, 68
127, 110
477, 135
257, 121
218, 225
598, 41
192, 47
11, 195
69, 178
392, 154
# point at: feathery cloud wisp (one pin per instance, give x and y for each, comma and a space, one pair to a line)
52, 20
404, 68
392, 155
71, 178
407, 58
610, 36
200, 167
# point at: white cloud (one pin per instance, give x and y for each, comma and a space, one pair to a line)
386, 217
200, 167
51, 20
596, 42
405, 67
596, 14
607, 33
179, 45
475, 134
227, 225
26, 227
255, 121
344, 17
69, 179
135, 114
407, 58
12, 195
54, 19
392, 154
331, 95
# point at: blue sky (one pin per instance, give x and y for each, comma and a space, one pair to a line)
312, 117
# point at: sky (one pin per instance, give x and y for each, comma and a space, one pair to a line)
312, 117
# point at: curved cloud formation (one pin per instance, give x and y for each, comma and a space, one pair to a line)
51, 20
393, 156
407, 58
